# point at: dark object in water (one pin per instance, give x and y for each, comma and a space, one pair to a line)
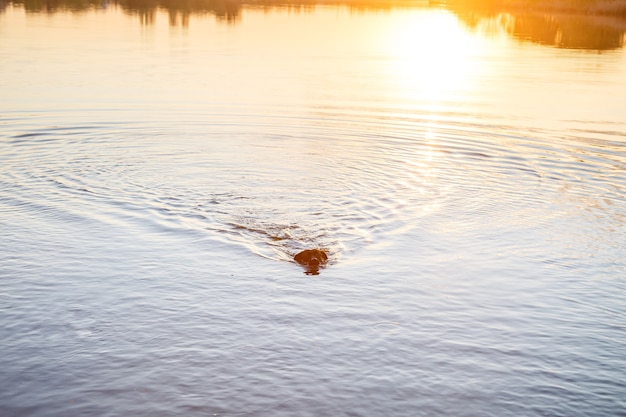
312, 260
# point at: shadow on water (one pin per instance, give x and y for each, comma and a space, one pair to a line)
590, 24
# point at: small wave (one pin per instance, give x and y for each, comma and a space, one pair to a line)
332, 186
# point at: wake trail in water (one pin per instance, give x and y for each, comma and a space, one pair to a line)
335, 188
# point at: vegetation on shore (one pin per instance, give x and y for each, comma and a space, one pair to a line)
579, 24
595, 7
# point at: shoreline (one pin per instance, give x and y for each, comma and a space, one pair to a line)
615, 8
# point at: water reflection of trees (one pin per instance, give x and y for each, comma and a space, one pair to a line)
579, 24
583, 24
180, 10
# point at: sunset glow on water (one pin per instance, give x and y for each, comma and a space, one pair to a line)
161, 165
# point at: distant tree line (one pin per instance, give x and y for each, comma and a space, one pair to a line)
596, 7
583, 24
226, 9
230, 7
576, 24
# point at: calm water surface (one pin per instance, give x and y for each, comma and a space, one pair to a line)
158, 170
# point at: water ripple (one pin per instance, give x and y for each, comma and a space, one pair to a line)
332, 186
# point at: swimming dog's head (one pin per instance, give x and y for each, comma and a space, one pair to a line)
311, 260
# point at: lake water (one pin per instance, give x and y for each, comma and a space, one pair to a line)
160, 166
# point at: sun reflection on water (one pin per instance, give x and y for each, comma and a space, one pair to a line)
434, 58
